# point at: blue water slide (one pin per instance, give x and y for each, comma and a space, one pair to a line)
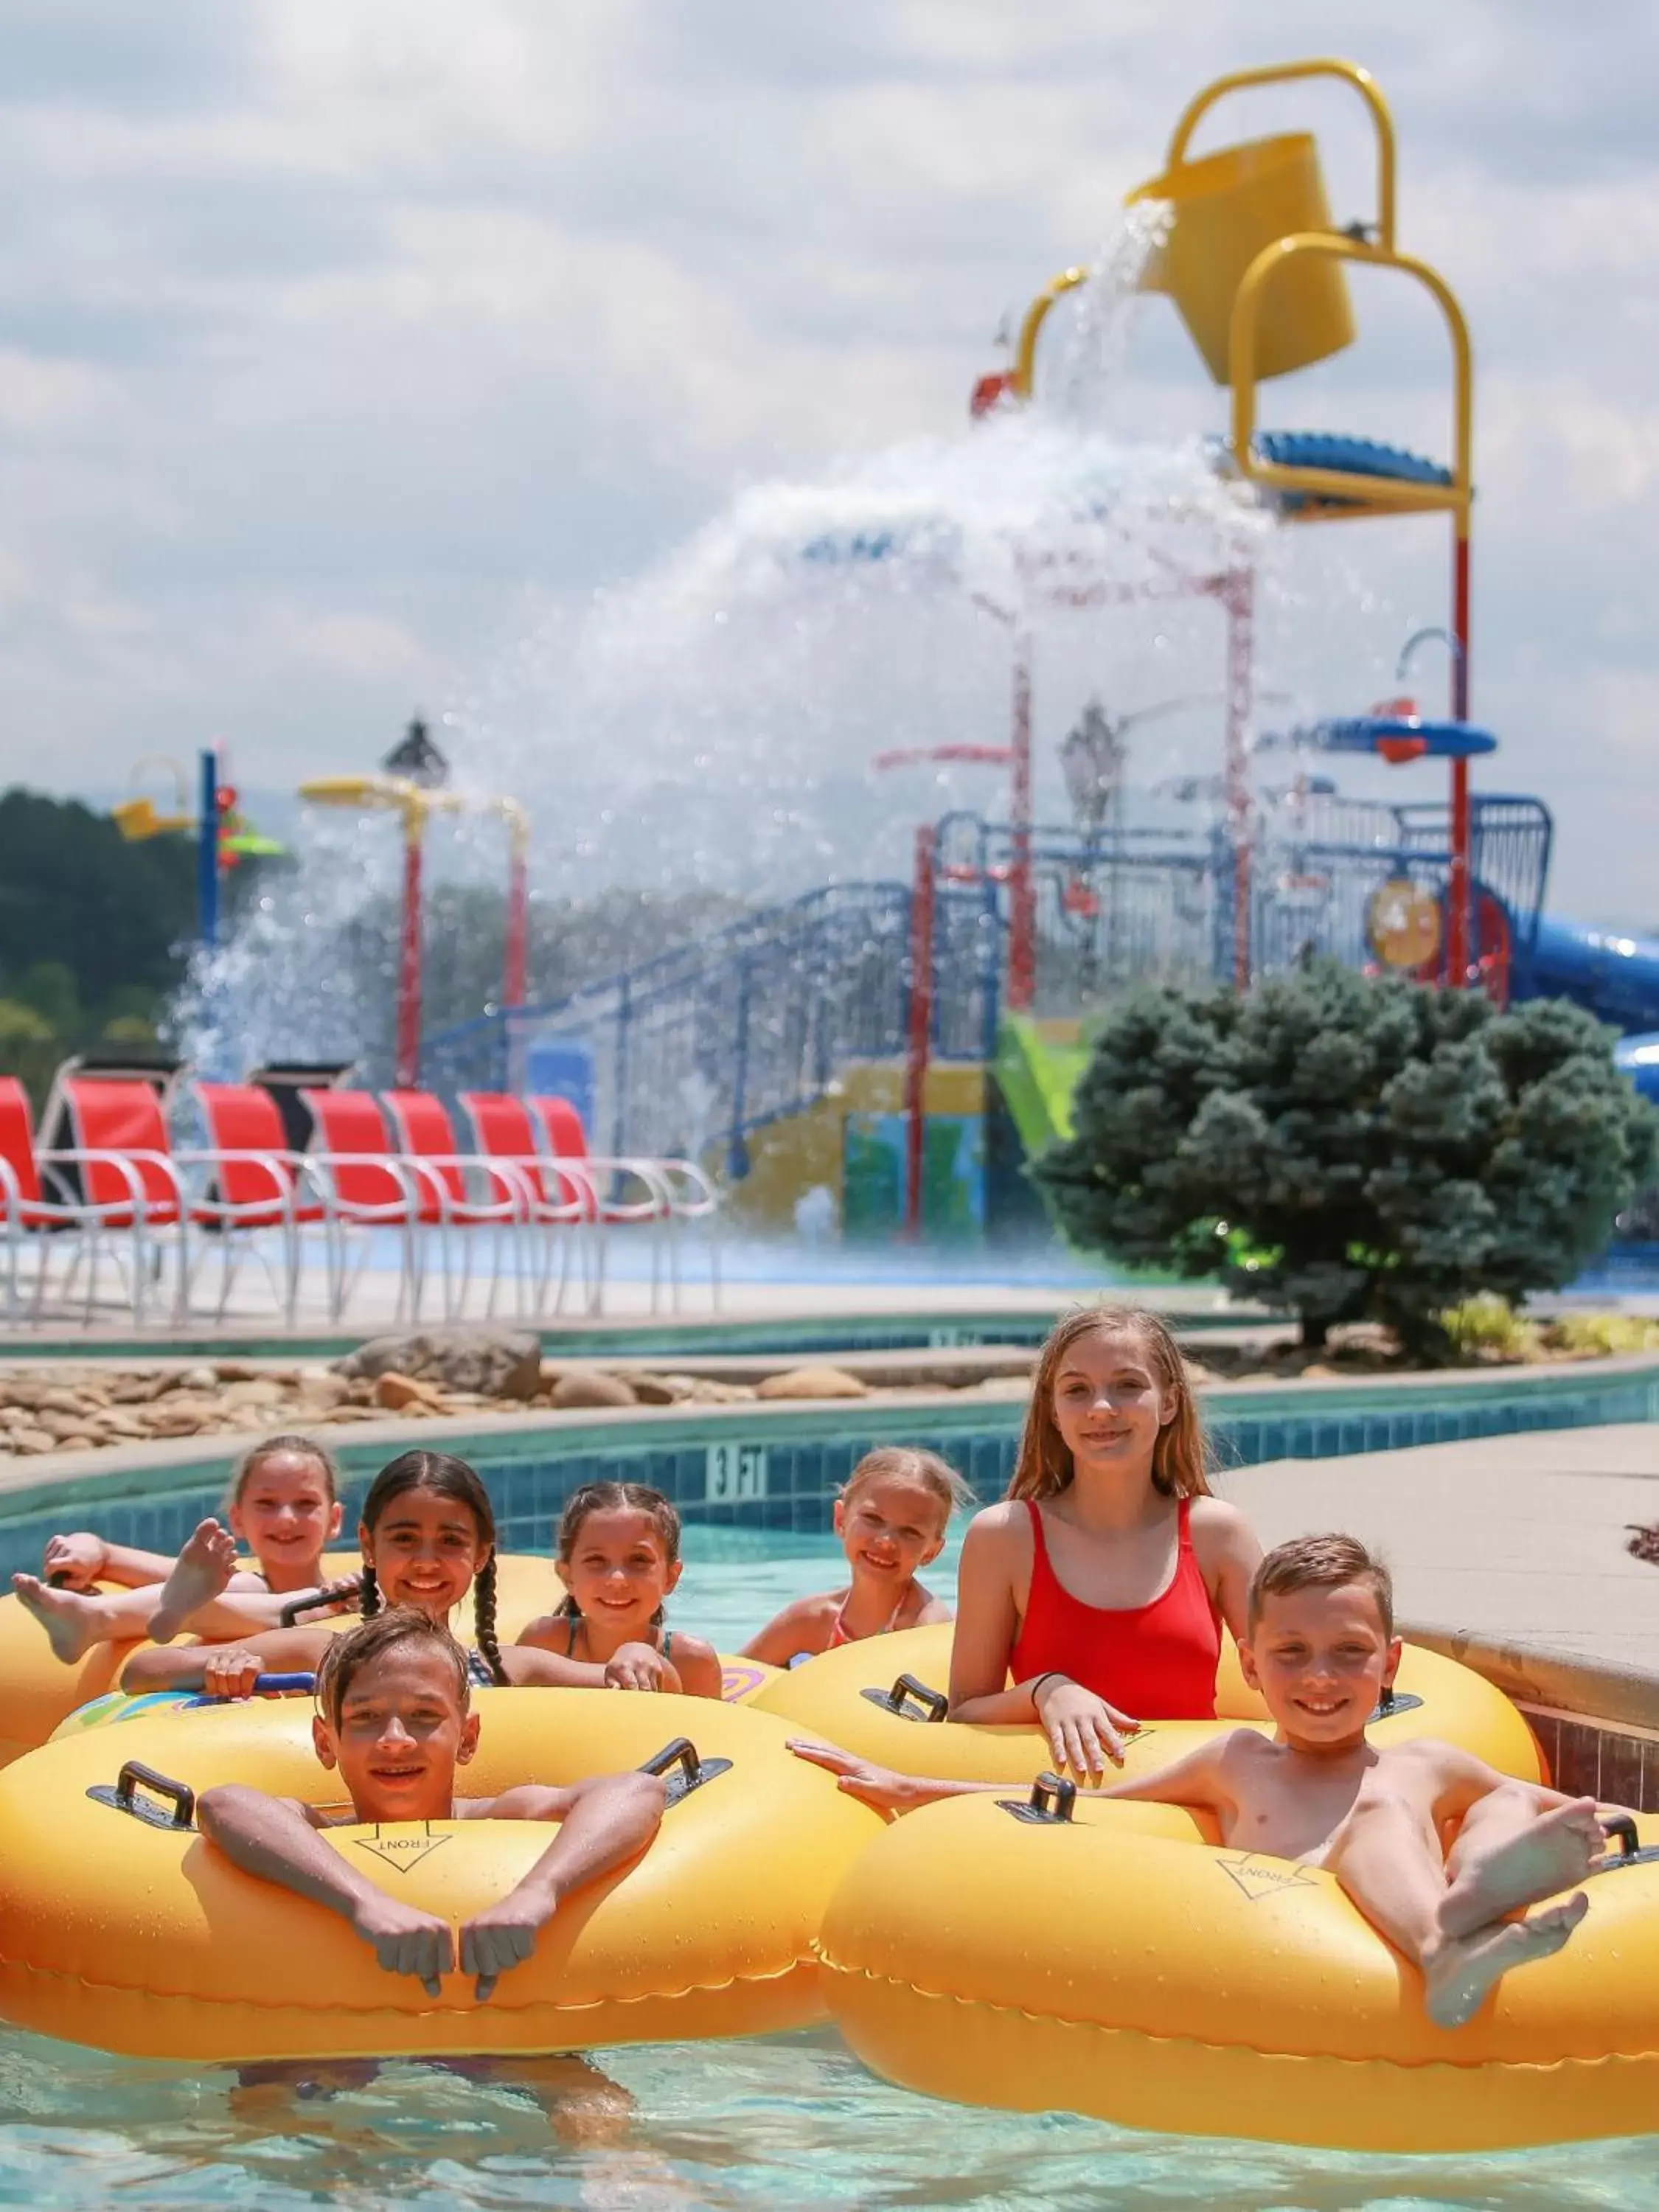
1616, 977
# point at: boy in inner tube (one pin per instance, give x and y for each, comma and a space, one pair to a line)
393, 1720
1322, 1649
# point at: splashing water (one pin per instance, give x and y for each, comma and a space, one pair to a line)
711, 726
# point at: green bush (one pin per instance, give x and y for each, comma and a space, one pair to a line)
1352, 1148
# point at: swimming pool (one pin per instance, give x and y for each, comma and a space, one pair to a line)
792, 2120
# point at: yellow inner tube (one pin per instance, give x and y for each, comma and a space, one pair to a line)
145, 1939
1123, 1966
850, 1697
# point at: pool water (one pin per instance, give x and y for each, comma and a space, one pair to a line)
784, 2121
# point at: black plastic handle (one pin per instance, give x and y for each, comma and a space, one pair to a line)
683, 1753
319, 1601
1622, 1829
179, 1794
1053, 1796
935, 1703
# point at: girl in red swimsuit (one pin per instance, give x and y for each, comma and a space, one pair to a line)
1097, 1588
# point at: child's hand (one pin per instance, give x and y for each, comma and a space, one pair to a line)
406, 1942
502, 1937
76, 1561
879, 1787
227, 1671
638, 1667
1081, 1726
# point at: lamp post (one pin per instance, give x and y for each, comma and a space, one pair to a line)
367, 794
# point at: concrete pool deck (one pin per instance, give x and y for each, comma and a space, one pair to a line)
1511, 1547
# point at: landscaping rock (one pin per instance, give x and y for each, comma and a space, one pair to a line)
499, 1362
396, 1391
317, 1388
813, 1383
256, 1390
661, 1389
351, 1413
589, 1386
32, 1440
192, 1378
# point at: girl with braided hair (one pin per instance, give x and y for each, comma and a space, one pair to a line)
428, 1536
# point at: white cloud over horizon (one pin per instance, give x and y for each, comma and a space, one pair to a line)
333, 337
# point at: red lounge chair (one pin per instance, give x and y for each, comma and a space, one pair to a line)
425, 1134
659, 1194
38, 1202
256, 1189
561, 1200
364, 1185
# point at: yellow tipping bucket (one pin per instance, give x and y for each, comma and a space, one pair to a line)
1227, 206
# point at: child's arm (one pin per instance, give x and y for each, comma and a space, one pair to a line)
884, 1789
603, 1822
1199, 1780
275, 1839
799, 1627
1229, 1552
227, 1670
698, 1666
635, 1666
82, 1558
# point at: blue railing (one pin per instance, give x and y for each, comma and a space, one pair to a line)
692, 1051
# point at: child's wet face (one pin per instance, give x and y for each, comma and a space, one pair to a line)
890, 1528
425, 1550
619, 1571
285, 1515
1109, 1404
1321, 1659
401, 1734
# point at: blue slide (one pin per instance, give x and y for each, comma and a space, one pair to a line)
1615, 977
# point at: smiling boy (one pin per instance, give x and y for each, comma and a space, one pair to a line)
393, 1719
1322, 1649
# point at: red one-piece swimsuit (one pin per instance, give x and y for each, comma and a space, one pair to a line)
1155, 1662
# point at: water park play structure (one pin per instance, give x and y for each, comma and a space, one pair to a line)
894, 1052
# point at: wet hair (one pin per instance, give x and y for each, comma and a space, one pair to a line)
287, 1447
906, 1463
347, 1655
1322, 1563
445, 1476
1180, 1457
614, 1497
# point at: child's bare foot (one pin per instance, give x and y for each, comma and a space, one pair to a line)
71, 1619
1457, 1977
199, 1575
1544, 1857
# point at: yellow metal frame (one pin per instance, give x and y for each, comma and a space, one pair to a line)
412, 800
1035, 315
1290, 72
1347, 494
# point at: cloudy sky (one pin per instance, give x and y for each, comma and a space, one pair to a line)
333, 333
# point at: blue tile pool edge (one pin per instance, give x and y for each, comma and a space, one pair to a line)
807, 1452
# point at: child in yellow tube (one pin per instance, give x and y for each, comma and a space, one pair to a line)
1322, 1649
393, 1719
618, 1556
891, 1518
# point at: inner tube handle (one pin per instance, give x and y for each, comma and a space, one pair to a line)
179, 1794
683, 1753
934, 1703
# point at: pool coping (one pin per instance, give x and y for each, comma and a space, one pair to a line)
30, 1484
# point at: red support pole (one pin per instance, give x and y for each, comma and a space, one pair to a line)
1022, 895
1458, 962
1240, 601
919, 1040
409, 957
516, 965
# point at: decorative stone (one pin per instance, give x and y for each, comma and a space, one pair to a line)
350, 1413
320, 1388
813, 1383
56, 1423
255, 1390
174, 1421
499, 1362
590, 1386
193, 1378
32, 1440
396, 1391
661, 1389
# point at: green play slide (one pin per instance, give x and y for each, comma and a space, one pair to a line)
1036, 1080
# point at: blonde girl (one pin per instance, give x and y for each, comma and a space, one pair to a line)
891, 1515
618, 1556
